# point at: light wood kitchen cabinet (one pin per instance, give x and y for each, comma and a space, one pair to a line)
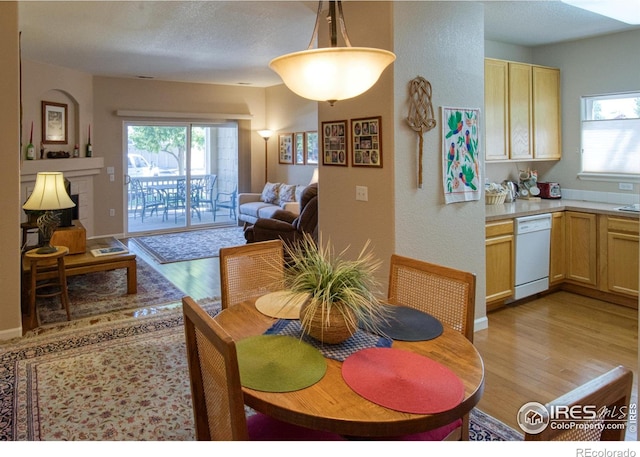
496, 100
581, 248
522, 111
500, 262
557, 257
547, 142
619, 253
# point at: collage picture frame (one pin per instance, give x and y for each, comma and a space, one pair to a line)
285, 148
334, 143
366, 134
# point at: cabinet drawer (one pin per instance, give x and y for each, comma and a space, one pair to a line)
618, 224
498, 228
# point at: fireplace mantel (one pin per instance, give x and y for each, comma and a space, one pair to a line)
79, 166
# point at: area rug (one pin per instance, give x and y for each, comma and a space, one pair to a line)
191, 245
117, 381
102, 292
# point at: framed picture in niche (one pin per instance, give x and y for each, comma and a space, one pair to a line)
311, 148
54, 123
298, 148
367, 142
285, 143
334, 143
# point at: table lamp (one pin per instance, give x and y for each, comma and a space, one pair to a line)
49, 195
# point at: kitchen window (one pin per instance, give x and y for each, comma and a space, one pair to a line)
610, 129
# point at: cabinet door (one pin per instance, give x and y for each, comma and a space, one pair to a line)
581, 248
546, 113
496, 98
520, 120
557, 256
622, 256
499, 259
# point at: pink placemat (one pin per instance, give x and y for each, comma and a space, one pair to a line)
402, 380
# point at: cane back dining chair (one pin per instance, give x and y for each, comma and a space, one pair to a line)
216, 389
609, 394
445, 293
250, 270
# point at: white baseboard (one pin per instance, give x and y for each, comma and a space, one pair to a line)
10, 334
480, 324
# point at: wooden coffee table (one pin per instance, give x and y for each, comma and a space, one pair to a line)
77, 264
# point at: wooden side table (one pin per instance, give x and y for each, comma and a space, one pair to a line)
35, 260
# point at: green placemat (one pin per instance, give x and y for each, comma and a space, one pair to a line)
278, 363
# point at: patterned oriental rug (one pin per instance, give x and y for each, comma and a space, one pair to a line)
121, 379
192, 245
102, 292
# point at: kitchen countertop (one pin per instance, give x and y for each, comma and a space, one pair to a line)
523, 207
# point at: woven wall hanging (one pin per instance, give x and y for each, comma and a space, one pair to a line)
421, 117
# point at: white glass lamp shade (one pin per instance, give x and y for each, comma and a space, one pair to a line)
331, 74
314, 178
49, 193
266, 134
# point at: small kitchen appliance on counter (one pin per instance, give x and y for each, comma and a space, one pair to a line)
549, 190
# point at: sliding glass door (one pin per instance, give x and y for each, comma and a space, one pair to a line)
179, 175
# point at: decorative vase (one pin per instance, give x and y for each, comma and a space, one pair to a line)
336, 329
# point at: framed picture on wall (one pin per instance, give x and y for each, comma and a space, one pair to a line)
54, 123
367, 142
285, 142
334, 143
298, 148
311, 148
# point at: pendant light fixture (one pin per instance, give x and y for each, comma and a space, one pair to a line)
335, 73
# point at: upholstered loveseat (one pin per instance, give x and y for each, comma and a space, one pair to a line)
274, 197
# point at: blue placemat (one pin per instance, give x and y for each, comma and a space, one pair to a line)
359, 340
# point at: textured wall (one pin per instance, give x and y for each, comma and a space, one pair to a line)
444, 43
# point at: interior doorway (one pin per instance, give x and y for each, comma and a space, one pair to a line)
180, 176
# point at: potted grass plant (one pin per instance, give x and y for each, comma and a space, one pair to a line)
342, 292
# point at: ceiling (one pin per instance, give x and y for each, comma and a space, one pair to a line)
232, 42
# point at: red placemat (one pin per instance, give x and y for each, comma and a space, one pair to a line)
402, 380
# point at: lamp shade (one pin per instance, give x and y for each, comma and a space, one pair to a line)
266, 134
331, 74
314, 178
49, 193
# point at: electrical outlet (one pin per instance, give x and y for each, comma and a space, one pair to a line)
362, 193
112, 212
625, 186
112, 178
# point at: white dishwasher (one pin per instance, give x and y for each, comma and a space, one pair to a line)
533, 238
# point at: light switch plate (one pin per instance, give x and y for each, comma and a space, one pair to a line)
362, 193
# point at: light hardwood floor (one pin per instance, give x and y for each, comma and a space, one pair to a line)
533, 351
541, 349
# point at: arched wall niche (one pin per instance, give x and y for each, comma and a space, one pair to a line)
73, 119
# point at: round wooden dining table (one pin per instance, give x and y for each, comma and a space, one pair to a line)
331, 405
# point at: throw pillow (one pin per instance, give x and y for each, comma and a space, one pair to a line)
287, 193
299, 190
270, 193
